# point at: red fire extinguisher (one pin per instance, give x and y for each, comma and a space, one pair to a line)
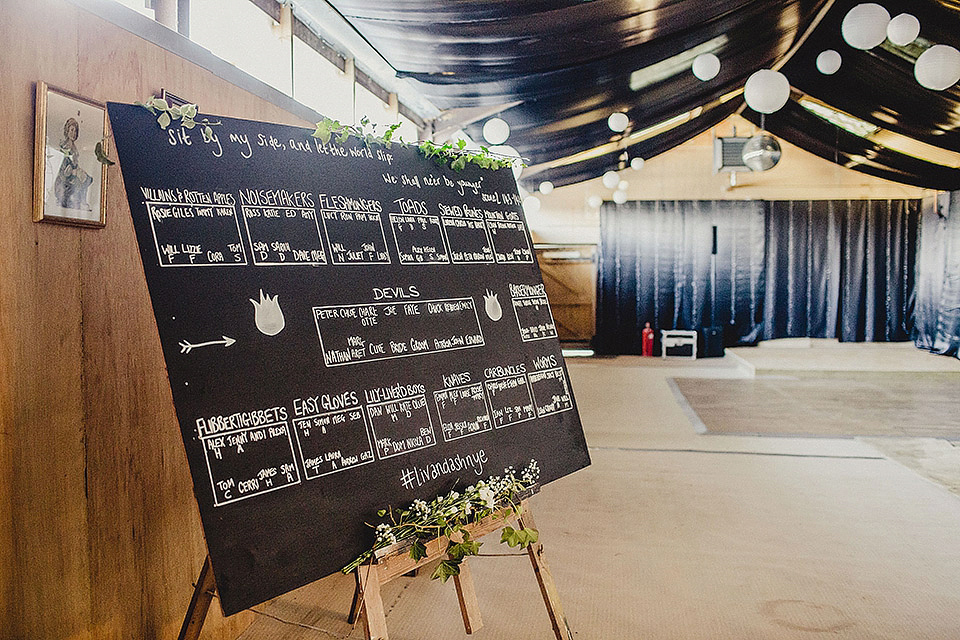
646, 340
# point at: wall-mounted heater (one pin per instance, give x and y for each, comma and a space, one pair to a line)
728, 154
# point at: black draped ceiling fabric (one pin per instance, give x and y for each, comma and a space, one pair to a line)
655, 266
938, 282
877, 87
824, 269
567, 64
571, 63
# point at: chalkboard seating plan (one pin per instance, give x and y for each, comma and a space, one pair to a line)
345, 327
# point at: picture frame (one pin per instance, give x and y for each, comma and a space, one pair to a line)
69, 181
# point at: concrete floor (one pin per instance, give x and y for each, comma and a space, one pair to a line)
671, 534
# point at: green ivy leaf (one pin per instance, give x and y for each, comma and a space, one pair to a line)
159, 104
418, 551
174, 112
382, 512
323, 132
164, 120
459, 163
521, 539
189, 111
207, 133
101, 156
446, 570
187, 123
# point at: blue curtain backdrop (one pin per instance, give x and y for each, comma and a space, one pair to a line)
938, 282
841, 268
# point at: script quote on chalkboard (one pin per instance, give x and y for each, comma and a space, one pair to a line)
345, 328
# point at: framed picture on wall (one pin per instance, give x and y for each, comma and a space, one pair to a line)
69, 182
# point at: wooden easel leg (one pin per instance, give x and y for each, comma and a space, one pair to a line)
355, 605
374, 617
548, 588
199, 604
467, 595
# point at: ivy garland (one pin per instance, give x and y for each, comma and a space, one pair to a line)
454, 154
186, 114
449, 515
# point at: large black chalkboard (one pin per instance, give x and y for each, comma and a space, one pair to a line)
344, 329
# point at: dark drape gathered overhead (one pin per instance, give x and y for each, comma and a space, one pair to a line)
826, 269
556, 70
938, 282
655, 266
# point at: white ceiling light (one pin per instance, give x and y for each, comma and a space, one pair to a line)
595, 201
619, 196
618, 121
531, 205
938, 67
611, 179
706, 66
546, 187
496, 130
637, 163
865, 26
828, 62
766, 91
903, 29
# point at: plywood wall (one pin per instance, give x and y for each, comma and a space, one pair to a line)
99, 533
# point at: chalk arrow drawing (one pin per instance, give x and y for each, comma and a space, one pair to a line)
186, 347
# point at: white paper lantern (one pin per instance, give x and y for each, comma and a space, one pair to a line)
531, 205
496, 130
595, 201
766, 91
865, 26
828, 62
637, 163
938, 67
511, 154
546, 187
619, 196
903, 29
611, 179
706, 66
618, 121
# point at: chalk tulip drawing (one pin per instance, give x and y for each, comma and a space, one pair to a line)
492, 306
268, 315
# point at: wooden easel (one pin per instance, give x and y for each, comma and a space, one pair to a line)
199, 604
392, 562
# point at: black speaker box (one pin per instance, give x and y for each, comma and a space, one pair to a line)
711, 343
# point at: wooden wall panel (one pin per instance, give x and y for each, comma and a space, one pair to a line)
99, 532
571, 287
41, 304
